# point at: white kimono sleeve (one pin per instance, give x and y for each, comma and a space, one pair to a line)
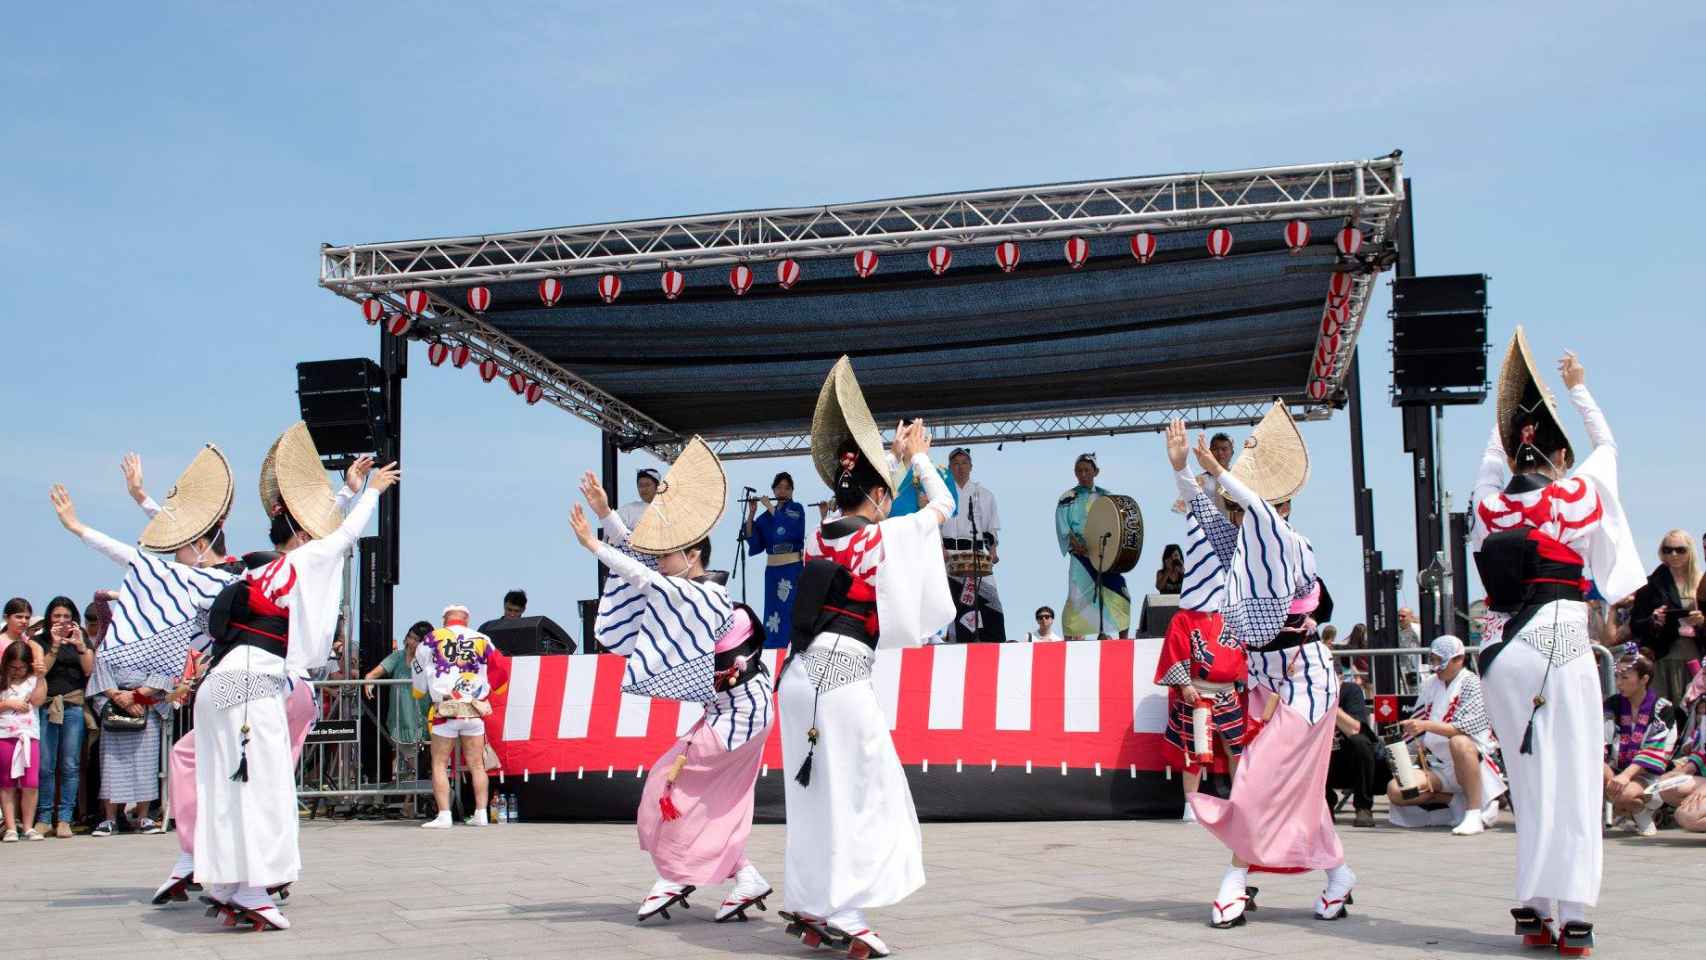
913, 601
314, 601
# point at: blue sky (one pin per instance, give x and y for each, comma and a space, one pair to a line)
169, 174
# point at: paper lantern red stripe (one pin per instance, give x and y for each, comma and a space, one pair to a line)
940, 259
740, 279
1297, 235
609, 287
1349, 241
1007, 255
1077, 251
488, 369
1317, 389
437, 353
372, 310
550, 291
518, 381
534, 393
479, 298
417, 301
672, 283
1339, 288
1219, 242
1143, 247
787, 274
398, 324
865, 262
459, 355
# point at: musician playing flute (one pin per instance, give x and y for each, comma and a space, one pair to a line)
779, 533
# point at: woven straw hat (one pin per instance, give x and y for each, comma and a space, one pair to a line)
198, 502
841, 415
1274, 462
292, 472
1521, 389
689, 502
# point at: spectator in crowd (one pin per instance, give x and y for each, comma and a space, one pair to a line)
405, 718
1643, 729
1356, 765
130, 755
18, 616
515, 604
1357, 639
450, 669
1450, 721
1045, 626
1684, 785
70, 658
1409, 636
1667, 618
1330, 635
1171, 577
22, 690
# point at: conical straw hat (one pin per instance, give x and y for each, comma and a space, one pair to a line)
197, 503
689, 502
1274, 462
1521, 389
841, 415
269, 480
302, 484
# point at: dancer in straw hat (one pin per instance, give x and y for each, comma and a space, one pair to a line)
269, 628
853, 838
1271, 599
1539, 538
685, 640
299, 706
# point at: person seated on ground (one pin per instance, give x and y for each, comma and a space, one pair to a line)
1463, 781
1684, 785
1642, 731
1356, 766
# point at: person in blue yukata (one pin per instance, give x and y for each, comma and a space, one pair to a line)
780, 534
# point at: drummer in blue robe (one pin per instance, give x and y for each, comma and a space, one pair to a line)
780, 534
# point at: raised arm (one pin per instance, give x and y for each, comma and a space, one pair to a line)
1575, 378
912, 445
120, 553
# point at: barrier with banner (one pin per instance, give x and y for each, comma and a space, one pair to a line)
985, 731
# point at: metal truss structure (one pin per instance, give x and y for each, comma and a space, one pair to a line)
1364, 192
1017, 429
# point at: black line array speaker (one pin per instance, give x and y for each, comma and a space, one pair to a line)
343, 403
1439, 338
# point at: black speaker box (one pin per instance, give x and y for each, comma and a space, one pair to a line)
528, 636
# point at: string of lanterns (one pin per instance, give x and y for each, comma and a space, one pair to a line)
1075, 250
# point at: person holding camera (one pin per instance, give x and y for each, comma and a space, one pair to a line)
70, 658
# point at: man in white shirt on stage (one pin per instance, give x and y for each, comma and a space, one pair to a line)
969, 540
646, 485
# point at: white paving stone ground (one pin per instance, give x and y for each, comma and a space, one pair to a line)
1095, 890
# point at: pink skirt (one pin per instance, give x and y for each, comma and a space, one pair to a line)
706, 844
1277, 819
32, 774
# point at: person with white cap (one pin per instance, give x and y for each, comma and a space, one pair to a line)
1451, 721
685, 640
1542, 538
646, 485
450, 669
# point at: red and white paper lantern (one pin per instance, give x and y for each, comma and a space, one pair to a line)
1331, 322
1219, 242
398, 324
940, 258
787, 274
609, 287
1143, 246
417, 301
479, 298
1317, 389
672, 283
1349, 241
372, 311
865, 262
1339, 288
459, 355
1007, 256
518, 382
437, 353
740, 279
550, 291
534, 393
1077, 251
488, 369
1297, 235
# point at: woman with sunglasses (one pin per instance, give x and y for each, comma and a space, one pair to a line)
1667, 618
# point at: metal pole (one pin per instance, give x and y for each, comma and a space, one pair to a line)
610, 455
1362, 498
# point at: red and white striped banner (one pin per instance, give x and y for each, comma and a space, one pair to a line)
1077, 705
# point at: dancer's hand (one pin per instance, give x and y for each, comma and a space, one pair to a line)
132, 466
1178, 444
1188, 693
66, 510
1206, 457
595, 496
1572, 371
583, 529
384, 478
357, 472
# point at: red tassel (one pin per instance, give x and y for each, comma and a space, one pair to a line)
667, 805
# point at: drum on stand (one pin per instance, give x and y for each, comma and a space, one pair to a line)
1113, 532
970, 563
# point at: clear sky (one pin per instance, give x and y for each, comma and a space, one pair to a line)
169, 173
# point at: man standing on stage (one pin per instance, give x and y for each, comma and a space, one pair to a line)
780, 534
646, 485
1097, 604
969, 538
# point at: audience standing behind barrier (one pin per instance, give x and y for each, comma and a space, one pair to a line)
1667, 619
22, 691
70, 658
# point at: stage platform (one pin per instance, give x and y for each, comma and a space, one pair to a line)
1097, 890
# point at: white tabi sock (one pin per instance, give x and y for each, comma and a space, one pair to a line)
848, 921
1340, 880
1571, 910
1470, 825
185, 867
